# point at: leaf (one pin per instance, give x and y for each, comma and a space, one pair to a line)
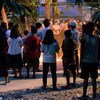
1, 4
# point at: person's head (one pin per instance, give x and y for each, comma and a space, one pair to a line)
10, 25
33, 29
15, 26
49, 37
3, 25
38, 25
56, 22
72, 25
46, 22
68, 26
67, 34
89, 28
26, 32
1, 32
14, 32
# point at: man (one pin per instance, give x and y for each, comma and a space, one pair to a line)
41, 34
89, 59
76, 39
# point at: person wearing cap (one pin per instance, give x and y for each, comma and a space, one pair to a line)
75, 38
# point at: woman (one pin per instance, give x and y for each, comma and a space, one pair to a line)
14, 51
49, 48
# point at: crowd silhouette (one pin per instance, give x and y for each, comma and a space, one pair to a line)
80, 50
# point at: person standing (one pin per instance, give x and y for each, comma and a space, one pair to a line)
10, 25
68, 49
49, 48
76, 39
26, 33
3, 56
32, 46
14, 51
89, 58
42, 32
39, 28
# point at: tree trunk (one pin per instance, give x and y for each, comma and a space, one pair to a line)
54, 3
47, 5
26, 23
80, 8
4, 16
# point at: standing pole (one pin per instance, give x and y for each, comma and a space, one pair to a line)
54, 4
47, 5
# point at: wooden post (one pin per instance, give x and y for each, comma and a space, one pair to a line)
4, 16
54, 4
47, 5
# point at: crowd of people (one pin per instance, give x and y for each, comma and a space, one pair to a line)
41, 40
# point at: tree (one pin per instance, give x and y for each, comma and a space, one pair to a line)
11, 6
47, 5
54, 4
79, 3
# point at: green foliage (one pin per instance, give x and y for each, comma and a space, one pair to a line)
14, 7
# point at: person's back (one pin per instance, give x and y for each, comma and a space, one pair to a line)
41, 33
32, 44
49, 54
49, 48
89, 58
68, 48
3, 56
90, 49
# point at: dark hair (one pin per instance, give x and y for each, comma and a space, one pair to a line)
3, 41
10, 25
84, 28
38, 25
46, 22
3, 25
33, 29
67, 33
26, 32
72, 27
14, 32
15, 26
49, 37
89, 28
2, 34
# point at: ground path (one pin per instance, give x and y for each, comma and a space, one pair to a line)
30, 89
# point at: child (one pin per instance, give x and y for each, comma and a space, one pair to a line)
32, 45
68, 48
49, 48
26, 33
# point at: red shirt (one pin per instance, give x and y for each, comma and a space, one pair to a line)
32, 52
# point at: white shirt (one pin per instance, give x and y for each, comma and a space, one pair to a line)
49, 52
8, 33
14, 45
